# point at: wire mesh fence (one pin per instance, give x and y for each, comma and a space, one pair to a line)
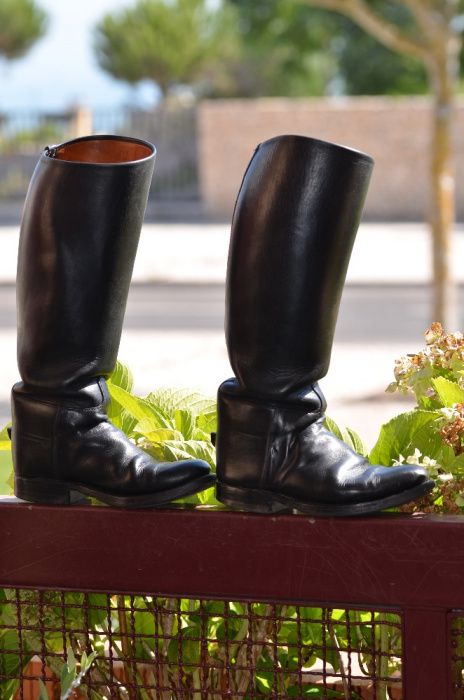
146, 647
215, 604
456, 628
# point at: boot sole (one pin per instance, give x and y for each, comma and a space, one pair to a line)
261, 501
54, 492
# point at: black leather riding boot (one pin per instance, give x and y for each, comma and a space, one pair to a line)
79, 234
293, 229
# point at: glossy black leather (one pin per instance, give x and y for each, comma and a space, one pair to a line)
68, 437
79, 236
283, 447
293, 229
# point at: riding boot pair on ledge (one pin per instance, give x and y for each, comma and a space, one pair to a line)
293, 229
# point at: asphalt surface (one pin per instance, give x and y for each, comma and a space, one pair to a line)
173, 333
374, 313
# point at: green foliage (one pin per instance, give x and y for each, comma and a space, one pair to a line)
165, 630
170, 424
447, 392
70, 677
365, 67
25, 140
6, 463
314, 52
176, 423
22, 23
399, 435
169, 43
347, 435
431, 435
5, 443
44, 609
237, 48
285, 49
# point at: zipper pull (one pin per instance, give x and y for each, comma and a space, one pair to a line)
50, 151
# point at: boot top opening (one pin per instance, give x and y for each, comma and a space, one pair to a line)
106, 149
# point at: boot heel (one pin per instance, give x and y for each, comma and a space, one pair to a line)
47, 491
251, 500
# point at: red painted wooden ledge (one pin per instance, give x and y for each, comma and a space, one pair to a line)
385, 560
414, 564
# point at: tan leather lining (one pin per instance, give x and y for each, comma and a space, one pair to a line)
103, 151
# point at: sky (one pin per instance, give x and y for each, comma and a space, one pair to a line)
60, 70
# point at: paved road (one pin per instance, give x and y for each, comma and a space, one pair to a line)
173, 336
375, 313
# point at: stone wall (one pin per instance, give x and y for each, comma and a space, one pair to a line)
395, 131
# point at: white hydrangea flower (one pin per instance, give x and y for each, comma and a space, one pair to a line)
419, 460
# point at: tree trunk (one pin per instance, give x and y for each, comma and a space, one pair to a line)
443, 78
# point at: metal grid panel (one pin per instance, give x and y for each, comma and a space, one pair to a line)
456, 632
179, 648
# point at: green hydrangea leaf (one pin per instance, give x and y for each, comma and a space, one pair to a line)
207, 422
158, 434
6, 473
447, 391
4, 437
170, 400
356, 442
43, 691
122, 376
333, 427
398, 435
208, 497
185, 422
172, 450
347, 435
139, 408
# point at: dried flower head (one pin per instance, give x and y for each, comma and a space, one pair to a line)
442, 356
452, 427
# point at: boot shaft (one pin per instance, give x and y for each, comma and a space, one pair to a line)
293, 230
79, 235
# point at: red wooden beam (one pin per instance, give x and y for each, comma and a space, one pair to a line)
426, 667
389, 560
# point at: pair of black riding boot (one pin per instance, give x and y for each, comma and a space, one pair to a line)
294, 225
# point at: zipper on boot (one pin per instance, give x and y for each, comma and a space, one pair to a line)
50, 151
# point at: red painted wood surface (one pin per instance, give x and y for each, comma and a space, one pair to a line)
396, 561
426, 663
414, 564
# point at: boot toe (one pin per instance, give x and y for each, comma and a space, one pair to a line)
176, 474
393, 480
414, 475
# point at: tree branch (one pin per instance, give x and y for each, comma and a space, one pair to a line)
430, 20
381, 29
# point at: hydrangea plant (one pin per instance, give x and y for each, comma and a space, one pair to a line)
432, 434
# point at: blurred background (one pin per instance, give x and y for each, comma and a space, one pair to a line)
206, 81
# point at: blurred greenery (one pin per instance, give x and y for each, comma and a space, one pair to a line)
33, 137
352, 61
263, 48
368, 68
285, 49
22, 23
169, 43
